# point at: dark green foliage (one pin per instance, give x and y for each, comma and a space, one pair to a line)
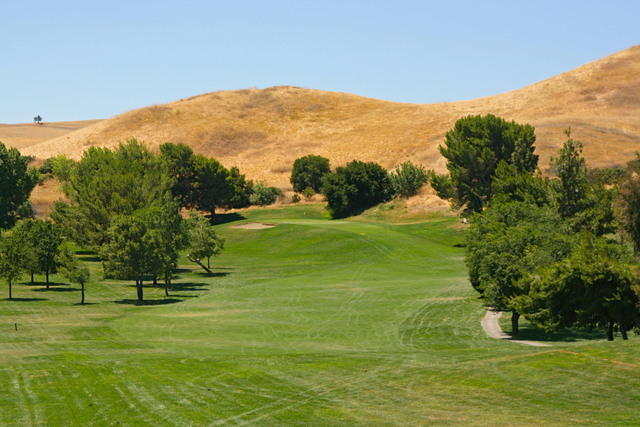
264, 195
474, 148
179, 162
408, 178
144, 244
507, 241
594, 286
105, 184
356, 187
583, 205
513, 185
630, 209
308, 172
17, 180
607, 176
211, 188
240, 190
295, 198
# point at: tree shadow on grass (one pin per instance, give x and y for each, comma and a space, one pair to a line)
531, 333
218, 219
86, 303
25, 299
56, 289
43, 284
188, 286
151, 302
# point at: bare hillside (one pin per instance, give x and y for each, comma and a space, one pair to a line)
264, 131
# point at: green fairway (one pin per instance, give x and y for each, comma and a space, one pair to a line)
310, 322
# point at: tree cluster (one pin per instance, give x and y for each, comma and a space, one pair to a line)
351, 189
541, 247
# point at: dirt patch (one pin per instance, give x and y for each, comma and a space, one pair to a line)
254, 226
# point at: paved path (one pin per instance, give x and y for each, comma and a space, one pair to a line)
491, 326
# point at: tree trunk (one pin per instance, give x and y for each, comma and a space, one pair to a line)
82, 301
515, 316
610, 331
139, 290
623, 331
197, 261
167, 281
208, 265
47, 274
155, 280
32, 278
10, 289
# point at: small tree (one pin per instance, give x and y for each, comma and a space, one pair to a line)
37, 120
203, 240
408, 178
72, 270
308, 172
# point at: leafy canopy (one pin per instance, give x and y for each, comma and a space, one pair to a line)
473, 149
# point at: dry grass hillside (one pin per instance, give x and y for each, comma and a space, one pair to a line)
264, 131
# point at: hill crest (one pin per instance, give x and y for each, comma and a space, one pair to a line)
262, 131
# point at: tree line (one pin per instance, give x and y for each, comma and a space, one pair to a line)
351, 189
548, 248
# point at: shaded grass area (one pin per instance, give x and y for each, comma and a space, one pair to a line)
311, 322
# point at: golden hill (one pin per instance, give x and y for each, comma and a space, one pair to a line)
264, 131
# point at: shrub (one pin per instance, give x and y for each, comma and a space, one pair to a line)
295, 198
408, 178
308, 172
263, 194
356, 187
308, 193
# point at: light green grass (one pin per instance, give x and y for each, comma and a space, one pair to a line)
312, 322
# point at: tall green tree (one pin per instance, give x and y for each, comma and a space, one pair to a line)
12, 247
473, 148
505, 242
595, 285
583, 204
308, 171
179, 162
212, 188
17, 180
105, 184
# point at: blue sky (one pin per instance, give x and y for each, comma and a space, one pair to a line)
75, 60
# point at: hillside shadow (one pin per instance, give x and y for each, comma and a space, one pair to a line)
152, 302
226, 218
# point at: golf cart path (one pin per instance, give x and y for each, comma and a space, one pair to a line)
491, 326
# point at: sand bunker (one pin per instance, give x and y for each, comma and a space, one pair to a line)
254, 226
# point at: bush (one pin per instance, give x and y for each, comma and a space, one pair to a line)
295, 198
408, 178
308, 193
308, 172
358, 186
263, 194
